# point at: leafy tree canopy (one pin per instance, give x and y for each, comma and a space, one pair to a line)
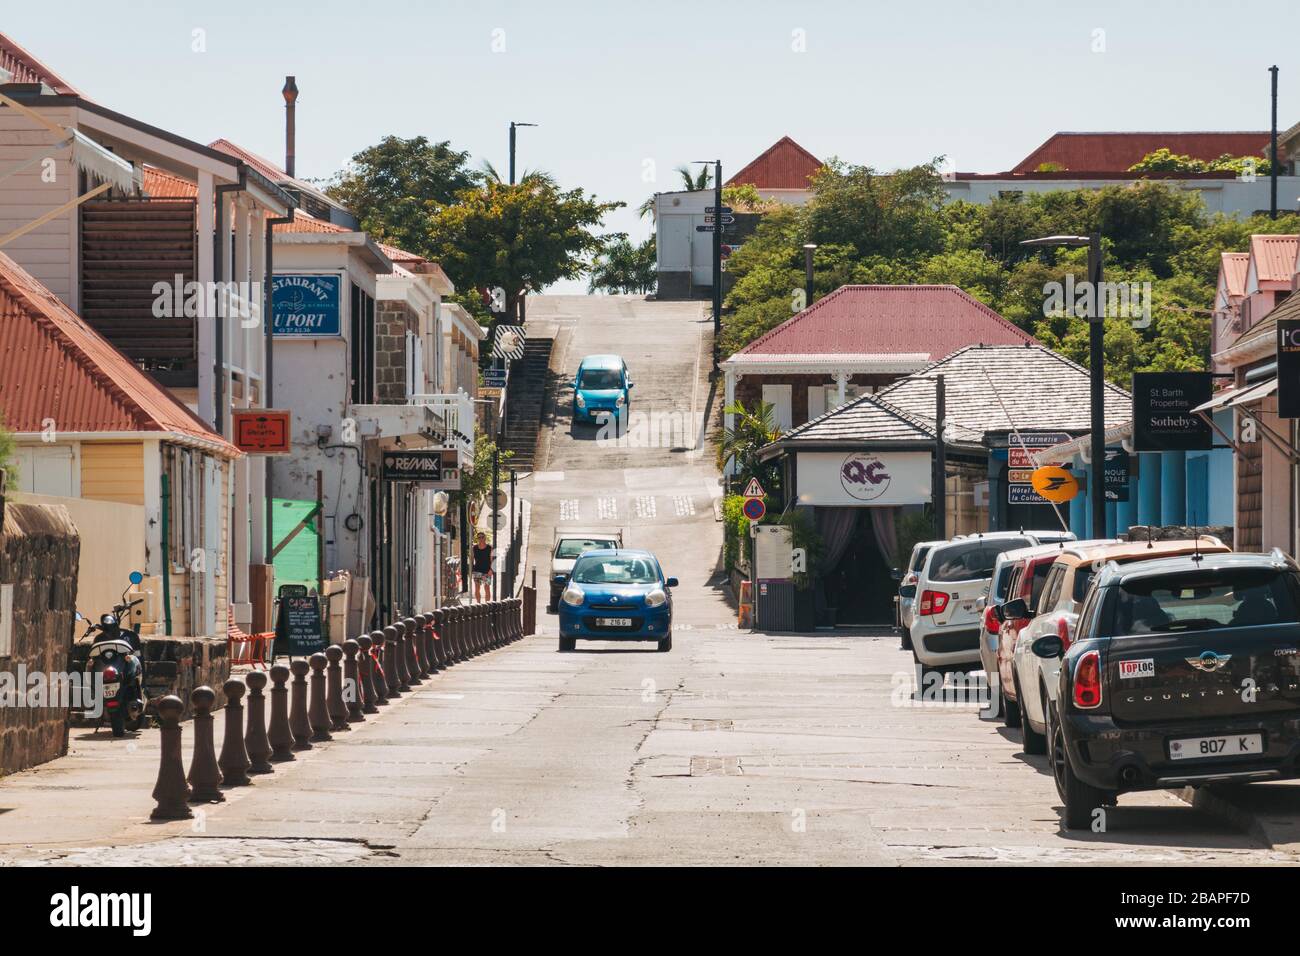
622, 267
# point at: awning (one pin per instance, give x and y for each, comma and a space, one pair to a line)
1232, 397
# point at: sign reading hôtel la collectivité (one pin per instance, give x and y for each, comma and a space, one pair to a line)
1162, 411
306, 304
1288, 368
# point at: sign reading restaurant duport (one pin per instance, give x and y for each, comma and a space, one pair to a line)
1288, 368
1162, 411
306, 304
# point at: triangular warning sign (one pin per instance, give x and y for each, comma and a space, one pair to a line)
754, 489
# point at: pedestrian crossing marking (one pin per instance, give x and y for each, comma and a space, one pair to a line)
569, 510
683, 505
645, 506
607, 508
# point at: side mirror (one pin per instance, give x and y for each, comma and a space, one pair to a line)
907, 591
672, 582
79, 616
896, 574
136, 577
997, 614
1050, 647
982, 603
1014, 610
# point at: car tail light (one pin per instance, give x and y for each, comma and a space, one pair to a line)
991, 623
933, 602
1063, 632
1087, 681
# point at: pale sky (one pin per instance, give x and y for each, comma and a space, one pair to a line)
623, 91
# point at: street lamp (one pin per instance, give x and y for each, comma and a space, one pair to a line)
1096, 370
513, 127
717, 257
808, 249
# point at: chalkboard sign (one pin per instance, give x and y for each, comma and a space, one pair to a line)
298, 626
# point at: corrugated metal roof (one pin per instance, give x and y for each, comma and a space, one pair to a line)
934, 320
783, 165
1233, 266
1116, 152
27, 69
1041, 389
1274, 257
54, 366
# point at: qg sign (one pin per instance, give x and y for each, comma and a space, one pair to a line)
1288, 368
1162, 411
306, 305
863, 479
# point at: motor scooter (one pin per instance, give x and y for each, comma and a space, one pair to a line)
115, 655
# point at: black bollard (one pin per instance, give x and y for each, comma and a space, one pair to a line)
377, 650
255, 738
171, 792
403, 674
438, 640
205, 775
352, 690
412, 655
366, 673
234, 760
317, 713
279, 734
334, 706
298, 720
416, 625
392, 662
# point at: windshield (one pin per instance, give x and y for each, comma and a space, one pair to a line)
572, 547
619, 569
601, 378
971, 560
1205, 601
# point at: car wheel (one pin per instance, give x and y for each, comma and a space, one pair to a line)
568, 643
1079, 799
1031, 740
1010, 709
905, 639
666, 644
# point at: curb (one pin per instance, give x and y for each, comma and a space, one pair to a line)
1220, 804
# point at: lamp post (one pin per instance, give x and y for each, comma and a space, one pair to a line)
1096, 369
717, 257
808, 249
513, 127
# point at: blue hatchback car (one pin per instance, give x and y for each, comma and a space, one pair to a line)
617, 595
601, 388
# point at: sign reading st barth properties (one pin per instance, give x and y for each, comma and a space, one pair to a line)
1162, 411
306, 304
1288, 368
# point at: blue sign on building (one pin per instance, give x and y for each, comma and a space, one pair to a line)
306, 305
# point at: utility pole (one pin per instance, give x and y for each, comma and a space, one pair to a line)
1097, 388
940, 494
513, 127
717, 262
496, 490
512, 557
1272, 155
808, 249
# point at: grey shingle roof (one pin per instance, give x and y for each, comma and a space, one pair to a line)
1041, 389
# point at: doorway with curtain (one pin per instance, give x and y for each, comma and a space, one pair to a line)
855, 587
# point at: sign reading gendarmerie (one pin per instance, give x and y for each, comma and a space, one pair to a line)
1288, 368
306, 304
1162, 411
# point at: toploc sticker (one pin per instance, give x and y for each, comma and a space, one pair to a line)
1140, 668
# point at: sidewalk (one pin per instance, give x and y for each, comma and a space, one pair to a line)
499, 554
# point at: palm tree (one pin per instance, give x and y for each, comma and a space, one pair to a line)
692, 182
752, 430
624, 268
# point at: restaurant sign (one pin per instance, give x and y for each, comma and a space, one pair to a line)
837, 479
306, 305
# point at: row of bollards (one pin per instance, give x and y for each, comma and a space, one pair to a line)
348, 681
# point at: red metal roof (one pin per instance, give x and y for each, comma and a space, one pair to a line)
783, 165
889, 319
1116, 152
55, 366
1274, 257
160, 184
1233, 266
27, 69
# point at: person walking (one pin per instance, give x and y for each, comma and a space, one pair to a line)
482, 565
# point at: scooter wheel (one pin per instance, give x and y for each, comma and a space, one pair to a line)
118, 722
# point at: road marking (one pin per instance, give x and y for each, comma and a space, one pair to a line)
569, 510
645, 506
607, 508
684, 505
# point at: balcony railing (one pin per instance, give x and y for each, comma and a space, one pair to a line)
455, 412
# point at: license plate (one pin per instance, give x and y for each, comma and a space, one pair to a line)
111, 689
614, 622
1231, 745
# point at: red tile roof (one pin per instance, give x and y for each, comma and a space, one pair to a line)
27, 69
305, 223
400, 255
53, 365
160, 184
889, 319
1116, 152
783, 165
1274, 257
1233, 266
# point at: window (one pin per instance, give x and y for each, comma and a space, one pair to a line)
1206, 601
1052, 589
361, 344
918, 556
601, 378
971, 560
573, 547
616, 570
1040, 572
1013, 582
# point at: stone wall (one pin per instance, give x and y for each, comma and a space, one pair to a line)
173, 665
39, 551
393, 319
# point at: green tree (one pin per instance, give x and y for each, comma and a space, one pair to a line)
396, 187
477, 483
1163, 160
752, 429
691, 183
622, 267
517, 238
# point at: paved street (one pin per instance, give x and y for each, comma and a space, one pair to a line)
734, 748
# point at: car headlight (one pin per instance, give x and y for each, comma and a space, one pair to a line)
582, 402
656, 598
573, 596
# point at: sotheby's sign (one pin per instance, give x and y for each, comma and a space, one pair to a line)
847, 479
306, 304
1162, 411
